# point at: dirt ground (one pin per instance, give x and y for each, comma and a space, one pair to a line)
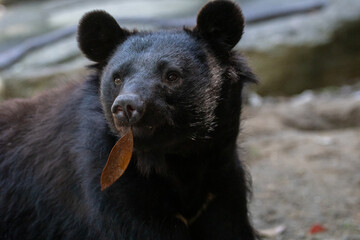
304, 174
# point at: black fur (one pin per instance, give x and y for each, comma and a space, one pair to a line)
185, 180
99, 34
221, 23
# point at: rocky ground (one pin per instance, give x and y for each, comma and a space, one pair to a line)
304, 158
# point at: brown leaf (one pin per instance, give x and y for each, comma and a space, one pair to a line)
118, 160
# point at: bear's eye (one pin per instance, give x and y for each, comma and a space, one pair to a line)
117, 81
172, 77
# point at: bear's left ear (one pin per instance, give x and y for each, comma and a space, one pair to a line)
99, 34
221, 23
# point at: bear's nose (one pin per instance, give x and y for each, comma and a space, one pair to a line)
128, 108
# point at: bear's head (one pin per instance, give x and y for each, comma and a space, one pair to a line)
175, 88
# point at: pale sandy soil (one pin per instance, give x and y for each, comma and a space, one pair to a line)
303, 177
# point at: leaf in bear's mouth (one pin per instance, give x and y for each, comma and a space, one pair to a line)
118, 160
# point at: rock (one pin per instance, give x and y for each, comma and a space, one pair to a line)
306, 51
272, 232
254, 100
2, 89
352, 237
9, 2
47, 67
323, 114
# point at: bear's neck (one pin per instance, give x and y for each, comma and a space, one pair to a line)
212, 153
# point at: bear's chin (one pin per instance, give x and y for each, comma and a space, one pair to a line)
145, 137
154, 138
143, 131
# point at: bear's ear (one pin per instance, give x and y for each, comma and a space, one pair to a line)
221, 23
99, 34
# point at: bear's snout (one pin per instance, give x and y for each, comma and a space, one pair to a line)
128, 108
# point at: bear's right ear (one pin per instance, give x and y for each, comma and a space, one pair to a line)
220, 23
99, 34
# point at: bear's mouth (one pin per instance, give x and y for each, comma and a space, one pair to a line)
139, 131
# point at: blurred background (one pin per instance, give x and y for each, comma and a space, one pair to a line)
301, 130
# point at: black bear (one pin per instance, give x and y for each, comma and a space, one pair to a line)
179, 91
